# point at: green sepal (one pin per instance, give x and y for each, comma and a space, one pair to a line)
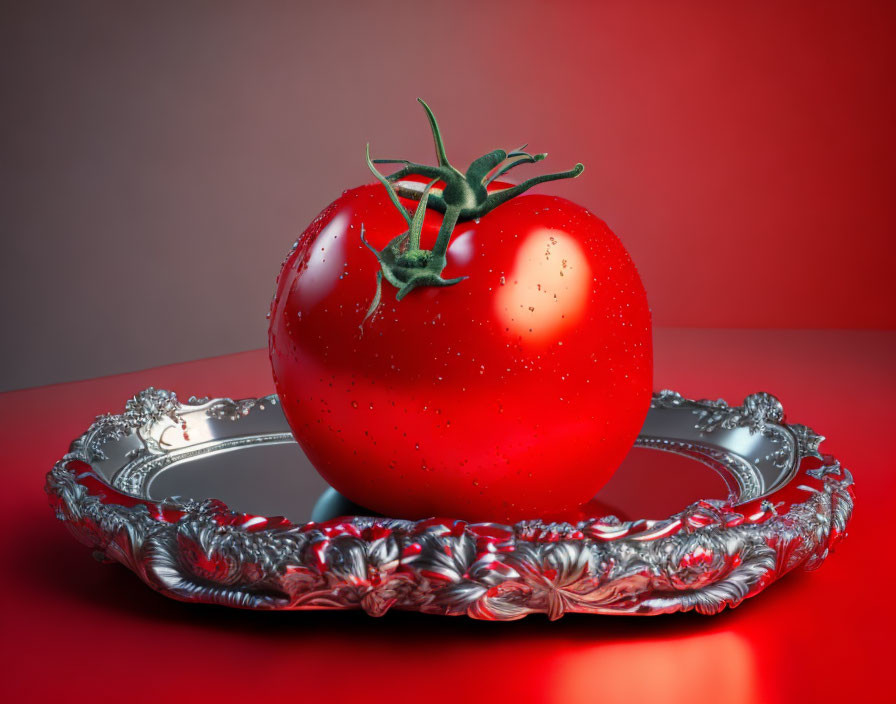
377, 297
481, 166
403, 263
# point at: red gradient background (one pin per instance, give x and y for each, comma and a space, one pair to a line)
743, 152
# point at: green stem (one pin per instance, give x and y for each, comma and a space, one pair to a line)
526, 159
449, 220
419, 215
437, 137
420, 170
481, 166
392, 196
500, 197
464, 196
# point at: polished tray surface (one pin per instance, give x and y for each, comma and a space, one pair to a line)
212, 501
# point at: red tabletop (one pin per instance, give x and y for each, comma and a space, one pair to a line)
76, 630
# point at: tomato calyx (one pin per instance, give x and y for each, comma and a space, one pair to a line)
463, 196
404, 264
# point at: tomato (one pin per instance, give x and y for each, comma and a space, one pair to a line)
511, 390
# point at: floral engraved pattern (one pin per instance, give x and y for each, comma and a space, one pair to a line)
148, 406
757, 410
711, 555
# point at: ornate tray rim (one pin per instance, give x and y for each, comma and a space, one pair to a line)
708, 556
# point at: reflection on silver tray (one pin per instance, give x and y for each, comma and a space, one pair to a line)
782, 505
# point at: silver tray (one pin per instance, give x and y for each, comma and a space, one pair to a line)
147, 488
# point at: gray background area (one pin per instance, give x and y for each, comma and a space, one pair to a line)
158, 159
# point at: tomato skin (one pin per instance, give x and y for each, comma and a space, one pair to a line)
513, 394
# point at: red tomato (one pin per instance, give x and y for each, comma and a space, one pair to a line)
512, 394
502, 378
